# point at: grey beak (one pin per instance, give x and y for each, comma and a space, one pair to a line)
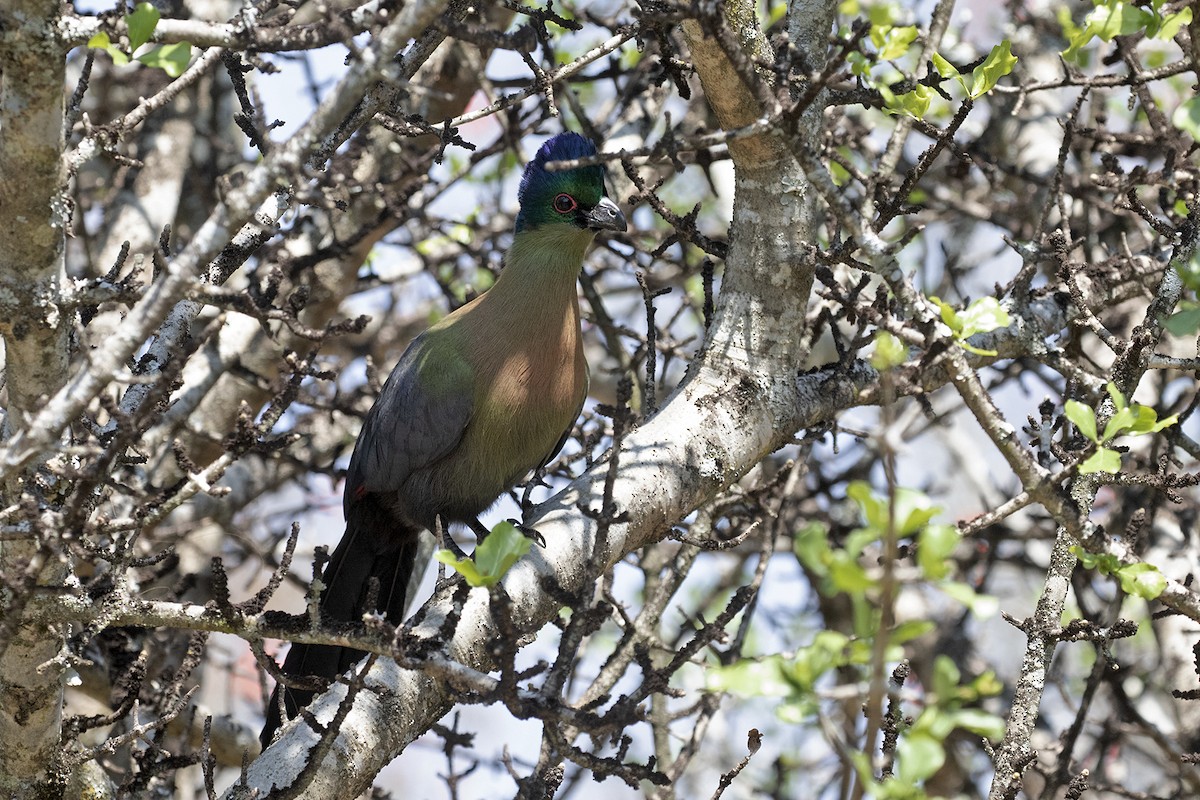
606, 217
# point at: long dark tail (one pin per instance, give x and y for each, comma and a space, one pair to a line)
374, 545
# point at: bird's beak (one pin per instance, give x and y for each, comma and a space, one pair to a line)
606, 217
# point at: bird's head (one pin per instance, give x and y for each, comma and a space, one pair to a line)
574, 197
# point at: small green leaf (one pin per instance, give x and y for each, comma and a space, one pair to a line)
141, 24
1187, 321
463, 566
1171, 24
913, 629
846, 573
914, 103
1103, 563
1139, 578
981, 605
948, 314
979, 351
1103, 460
946, 677
1119, 421
913, 510
893, 42
889, 352
170, 58
1117, 397
827, 651
944, 67
841, 176
1000, 62
918, 756
935, 543
979, 722
500, 550
493, 557
1070, 31
1083, 418
1164, 423
101, 42
761, 677
811, 546
1147, 420
1187, 118
1116, 19
1142, 580
983, 316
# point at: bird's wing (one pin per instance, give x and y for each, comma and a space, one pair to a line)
418, 418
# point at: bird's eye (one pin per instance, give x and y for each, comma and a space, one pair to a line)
565, 204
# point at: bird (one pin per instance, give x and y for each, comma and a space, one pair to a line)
482, 397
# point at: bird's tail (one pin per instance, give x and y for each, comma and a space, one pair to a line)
373, 546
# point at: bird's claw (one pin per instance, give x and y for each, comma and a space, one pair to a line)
529, 533
453, 547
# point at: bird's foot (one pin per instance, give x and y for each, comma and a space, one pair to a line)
481, 532
451, 545
529, 533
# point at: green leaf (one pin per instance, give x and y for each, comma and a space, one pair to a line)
983, 316
979, 351
463, 566
1103, 563
889, 352
827, 651
500, 550
1148, 422
101, 42
846, 573
1071, 32
1119, 421
841, 176
979, 722
1164, 423
1172, 23
913, 629
918, 756
1116, 19
1142, 580
944, 67
914, 103
1115, 393
914, 509
1139, 578
761, 677
1000, 62
1186, 322
935, 543
892, 42
1103, 460
1083, 418
493, 557
1187, 118
874, 511
981, 605
141, 24
170, 58
946, 677
811, 546
949, 315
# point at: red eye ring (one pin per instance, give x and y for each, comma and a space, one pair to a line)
564, 203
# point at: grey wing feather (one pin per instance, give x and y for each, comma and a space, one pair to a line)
408, 427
